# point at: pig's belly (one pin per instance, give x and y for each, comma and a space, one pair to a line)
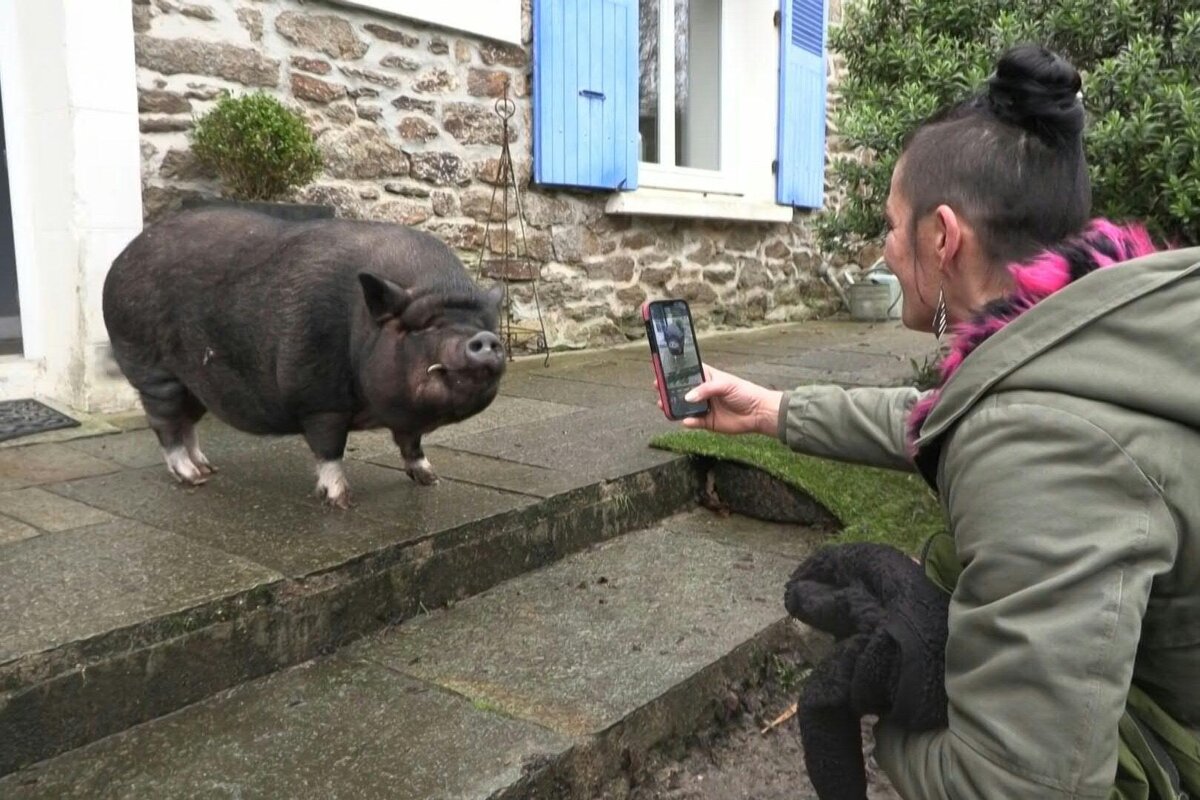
253, 409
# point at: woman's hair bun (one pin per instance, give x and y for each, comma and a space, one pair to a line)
1037, 89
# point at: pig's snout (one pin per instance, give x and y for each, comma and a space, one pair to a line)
484, 350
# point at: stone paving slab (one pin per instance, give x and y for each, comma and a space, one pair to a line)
789, 541
136, 449
885, 337
332, 728
552, 388
74, 585
496, 473
853, 361
379, 494
629, 374
246, 510
13, 530
47, 463
578, 646
783, 377
588, 445
504, 411
48, 511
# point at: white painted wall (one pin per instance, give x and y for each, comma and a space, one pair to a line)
495, 19
71, 122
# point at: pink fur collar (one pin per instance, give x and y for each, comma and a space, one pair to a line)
1102, 244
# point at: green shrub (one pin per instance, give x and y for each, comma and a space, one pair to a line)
258, 148
1140, 61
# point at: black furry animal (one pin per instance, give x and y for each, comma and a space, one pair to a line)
317, 327
674, 338
890, 626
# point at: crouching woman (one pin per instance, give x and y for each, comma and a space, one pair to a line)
1064, 445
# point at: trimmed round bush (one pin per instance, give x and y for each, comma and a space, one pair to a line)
258, 148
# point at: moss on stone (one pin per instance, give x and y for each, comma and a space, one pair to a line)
874, 505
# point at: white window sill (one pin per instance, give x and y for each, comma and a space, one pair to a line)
669, 203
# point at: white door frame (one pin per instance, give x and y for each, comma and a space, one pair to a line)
71, 122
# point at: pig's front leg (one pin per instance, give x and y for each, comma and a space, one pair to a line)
326, 435
415, 463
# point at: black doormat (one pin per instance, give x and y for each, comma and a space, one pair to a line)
25, 417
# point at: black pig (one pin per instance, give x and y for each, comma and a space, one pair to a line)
674, 337
318, 327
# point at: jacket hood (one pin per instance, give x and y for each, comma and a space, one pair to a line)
1102, 316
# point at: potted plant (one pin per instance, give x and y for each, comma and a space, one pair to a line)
260, 150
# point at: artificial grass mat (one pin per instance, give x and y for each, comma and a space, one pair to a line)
873, 505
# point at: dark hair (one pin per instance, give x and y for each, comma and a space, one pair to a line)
1010, 159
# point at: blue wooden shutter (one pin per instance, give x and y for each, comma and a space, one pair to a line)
585, 93
801, 172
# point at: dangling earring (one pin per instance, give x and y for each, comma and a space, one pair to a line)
940, 320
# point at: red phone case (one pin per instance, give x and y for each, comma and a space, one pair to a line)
661, 381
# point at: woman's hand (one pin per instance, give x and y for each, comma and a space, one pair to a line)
734, 405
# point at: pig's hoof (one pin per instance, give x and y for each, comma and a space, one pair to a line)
198, 480
332, 487
341, 501
202, 463
336, 495
183, 469
421, 471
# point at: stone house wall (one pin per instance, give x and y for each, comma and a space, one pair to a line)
404, 117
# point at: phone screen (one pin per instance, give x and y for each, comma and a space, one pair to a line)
675, 342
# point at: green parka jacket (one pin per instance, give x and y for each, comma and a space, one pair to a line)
1065, 451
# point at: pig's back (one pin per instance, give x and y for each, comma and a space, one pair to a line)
236, 255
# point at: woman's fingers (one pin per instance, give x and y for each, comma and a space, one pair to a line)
713, 387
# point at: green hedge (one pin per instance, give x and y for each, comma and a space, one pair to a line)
1140, 61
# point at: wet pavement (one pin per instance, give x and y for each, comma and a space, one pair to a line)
127, 596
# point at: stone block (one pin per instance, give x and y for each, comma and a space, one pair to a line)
326, 33
440, 169
361, 152
392, 35
159, 101
315, 90
435, 81
237, 64
417, 129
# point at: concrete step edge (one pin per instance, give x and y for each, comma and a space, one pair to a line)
65, 698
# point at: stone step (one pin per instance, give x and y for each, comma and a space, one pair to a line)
544, 686
128, 597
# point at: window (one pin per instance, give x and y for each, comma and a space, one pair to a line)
682, 107
708, 71
679, 83
681, 117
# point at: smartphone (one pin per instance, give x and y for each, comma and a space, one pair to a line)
675, 356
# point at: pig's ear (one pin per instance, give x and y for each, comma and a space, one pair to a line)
495, 296
385, 299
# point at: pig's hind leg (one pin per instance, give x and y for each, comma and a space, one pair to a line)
173, 412
326, 435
